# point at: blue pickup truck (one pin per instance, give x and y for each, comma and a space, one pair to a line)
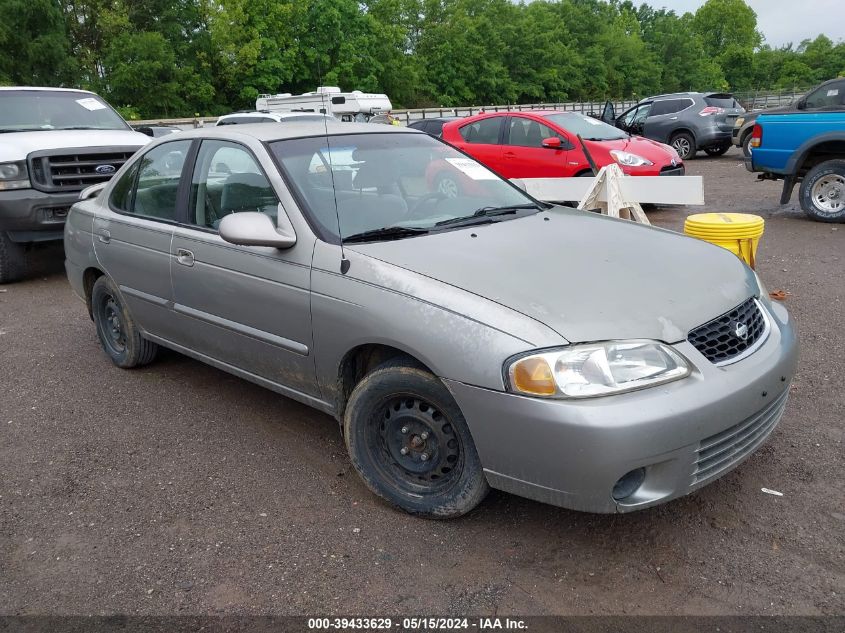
808, 148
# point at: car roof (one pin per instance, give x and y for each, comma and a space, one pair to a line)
267, 132
36, 88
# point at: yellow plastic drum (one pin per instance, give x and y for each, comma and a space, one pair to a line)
740, 233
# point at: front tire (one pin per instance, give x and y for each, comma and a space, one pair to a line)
12, 260
118, 333
410, 443
822, 193
684, 144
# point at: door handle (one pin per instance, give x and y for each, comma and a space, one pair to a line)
674, 118
104, 236
509, 154
184, 257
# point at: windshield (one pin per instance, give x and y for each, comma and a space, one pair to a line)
30, 110
589, 128
394, 181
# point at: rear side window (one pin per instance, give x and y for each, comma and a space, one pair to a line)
670, 106
485, 131
721, 101
158, 181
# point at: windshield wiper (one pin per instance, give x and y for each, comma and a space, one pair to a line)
482, 215
385, 233
4, 130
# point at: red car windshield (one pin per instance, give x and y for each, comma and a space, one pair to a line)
589, 128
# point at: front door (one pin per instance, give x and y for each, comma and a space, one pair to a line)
524, 155
247, 307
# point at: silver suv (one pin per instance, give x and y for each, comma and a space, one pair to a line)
688, 121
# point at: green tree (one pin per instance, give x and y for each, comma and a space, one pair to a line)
34, 46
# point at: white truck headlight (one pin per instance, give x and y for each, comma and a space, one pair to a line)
596, 369
14, 176
628, 159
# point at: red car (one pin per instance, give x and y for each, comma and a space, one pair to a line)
544, 144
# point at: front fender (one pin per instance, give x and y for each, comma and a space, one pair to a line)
459, 336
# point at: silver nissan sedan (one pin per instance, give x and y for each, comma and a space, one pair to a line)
465, 337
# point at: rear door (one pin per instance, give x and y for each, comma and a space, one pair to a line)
132, 238
664, 117
524, 155
245, 306
482, 139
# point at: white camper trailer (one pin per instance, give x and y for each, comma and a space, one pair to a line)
346, 106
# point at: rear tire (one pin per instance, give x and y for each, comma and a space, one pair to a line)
746, 145
684, 144
822, 193
118, 333
410, 443
719, 150
12, 260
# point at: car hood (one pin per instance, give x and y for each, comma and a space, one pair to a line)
17, 145
588, 277
752, 116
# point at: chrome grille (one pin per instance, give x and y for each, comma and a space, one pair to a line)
73, 170
734, 334
719, 452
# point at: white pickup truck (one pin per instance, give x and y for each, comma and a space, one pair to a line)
54, 142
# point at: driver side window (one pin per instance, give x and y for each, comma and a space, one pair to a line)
227, 179
828, 96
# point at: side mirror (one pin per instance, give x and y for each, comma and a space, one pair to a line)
519, 182
338, 100
553, 142
802, 103
93, 191
251, 228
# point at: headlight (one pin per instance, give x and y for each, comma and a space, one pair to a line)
596, 369
628, 159
14, 176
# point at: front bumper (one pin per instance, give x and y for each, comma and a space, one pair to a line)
28, 215
571, 453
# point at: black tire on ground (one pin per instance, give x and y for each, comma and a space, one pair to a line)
717, 150
12, 260
116, 329
410, 443
746, 144
448, 185
822, 193
684, 144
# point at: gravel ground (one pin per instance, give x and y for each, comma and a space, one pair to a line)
178, 489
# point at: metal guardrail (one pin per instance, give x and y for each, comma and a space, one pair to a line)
757, 100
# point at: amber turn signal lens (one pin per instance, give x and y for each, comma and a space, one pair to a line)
533, 376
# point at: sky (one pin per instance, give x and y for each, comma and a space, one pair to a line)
782, 21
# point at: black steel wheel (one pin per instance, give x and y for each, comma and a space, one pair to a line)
119, 335
410, 443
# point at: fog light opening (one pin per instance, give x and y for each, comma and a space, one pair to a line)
628, 484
